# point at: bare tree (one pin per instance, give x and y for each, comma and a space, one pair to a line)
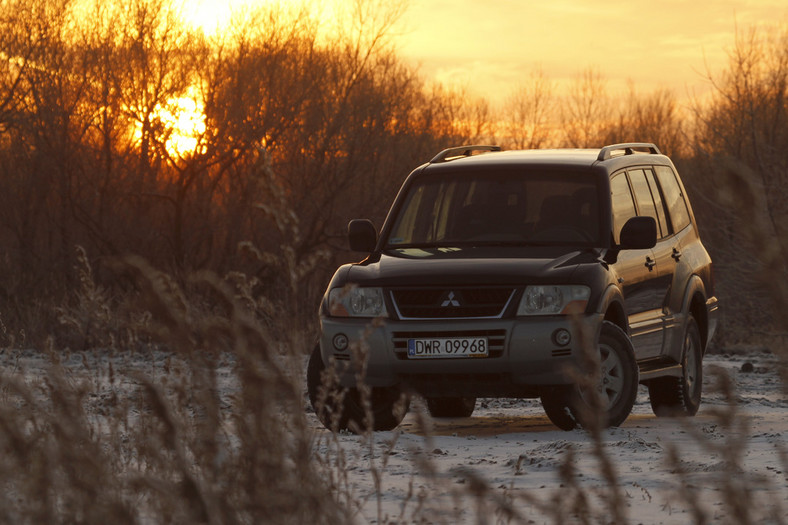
653, 117
528, 112
301, 133
742, 171
748, 119
586, 112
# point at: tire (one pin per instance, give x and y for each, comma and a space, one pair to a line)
568, 407
451, 406
556, 401
681, 396
343, 409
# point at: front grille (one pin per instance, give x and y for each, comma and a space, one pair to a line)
451, 303
496, 340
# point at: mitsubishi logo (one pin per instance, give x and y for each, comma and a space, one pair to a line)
450, 301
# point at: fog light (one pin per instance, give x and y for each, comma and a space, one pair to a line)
562, 337
340, 342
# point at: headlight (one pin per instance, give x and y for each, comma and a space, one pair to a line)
551, 300
353, 301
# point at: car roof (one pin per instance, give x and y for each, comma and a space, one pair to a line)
577, 157
567, 158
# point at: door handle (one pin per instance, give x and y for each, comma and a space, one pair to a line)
676, 254
650, 263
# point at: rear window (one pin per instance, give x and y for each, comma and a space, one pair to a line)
547, 207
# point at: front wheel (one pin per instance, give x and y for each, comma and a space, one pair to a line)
680, 396
571, 406
340, 408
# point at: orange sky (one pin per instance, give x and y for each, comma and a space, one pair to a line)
491, 46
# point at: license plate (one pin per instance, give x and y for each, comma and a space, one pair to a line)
447, 347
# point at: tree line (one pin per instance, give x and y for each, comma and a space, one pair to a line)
302, 130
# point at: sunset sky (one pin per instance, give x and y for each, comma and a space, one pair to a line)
491, 47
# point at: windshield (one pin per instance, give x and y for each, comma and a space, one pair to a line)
518, 208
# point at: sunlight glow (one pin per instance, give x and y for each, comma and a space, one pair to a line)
185, 119
208, 15
214, 16
182, 121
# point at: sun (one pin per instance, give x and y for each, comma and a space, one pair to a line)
184, 118
181, 125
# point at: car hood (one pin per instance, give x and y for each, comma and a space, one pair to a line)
469, 266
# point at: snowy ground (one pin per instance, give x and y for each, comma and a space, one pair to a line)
730, 463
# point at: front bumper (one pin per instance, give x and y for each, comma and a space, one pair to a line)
523, 354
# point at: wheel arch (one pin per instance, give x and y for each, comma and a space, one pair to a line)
612, 306
695, 305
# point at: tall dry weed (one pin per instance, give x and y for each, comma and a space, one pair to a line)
204, 424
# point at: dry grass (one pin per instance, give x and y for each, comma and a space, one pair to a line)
150, 434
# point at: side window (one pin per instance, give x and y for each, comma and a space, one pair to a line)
649, 199
645, 201
662, 213
621, 202
674, 199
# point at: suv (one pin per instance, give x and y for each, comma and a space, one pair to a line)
494, 274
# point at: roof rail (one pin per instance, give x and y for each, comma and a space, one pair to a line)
628, 149
461, 151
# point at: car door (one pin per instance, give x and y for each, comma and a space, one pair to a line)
676, 247
650, 204
637, 275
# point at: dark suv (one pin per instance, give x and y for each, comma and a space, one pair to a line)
495, 273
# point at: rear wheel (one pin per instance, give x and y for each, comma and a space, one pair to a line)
570, 406
680, 396
451, 406
340, 408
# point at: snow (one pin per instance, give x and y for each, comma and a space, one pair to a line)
509, 463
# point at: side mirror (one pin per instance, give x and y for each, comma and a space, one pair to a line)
362, 235
638, 233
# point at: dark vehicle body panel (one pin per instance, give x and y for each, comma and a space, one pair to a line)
650, 293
